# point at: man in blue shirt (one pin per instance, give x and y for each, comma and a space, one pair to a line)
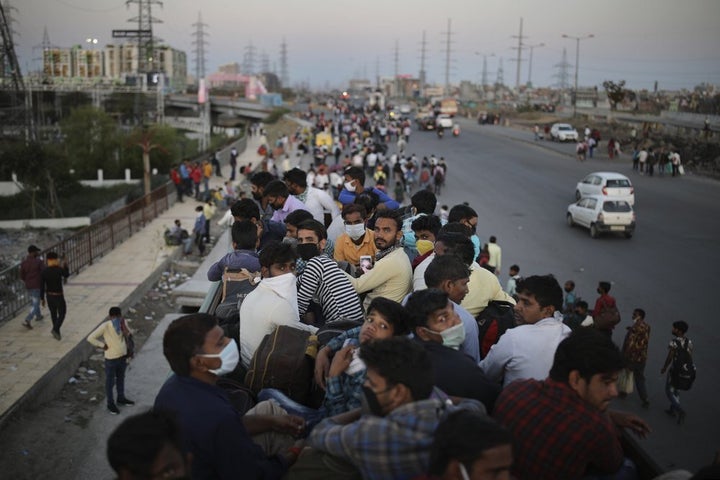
244, 255
355, 185
215, 433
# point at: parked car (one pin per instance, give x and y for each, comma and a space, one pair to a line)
601, 214
609, 184
563, 132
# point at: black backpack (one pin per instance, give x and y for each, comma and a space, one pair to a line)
683, 372
492, 322
236, 286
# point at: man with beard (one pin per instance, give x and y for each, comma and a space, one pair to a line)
316, 201
257, 187
391, 276
268, 231
277, 196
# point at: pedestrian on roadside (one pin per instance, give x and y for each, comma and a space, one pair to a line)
495, 256
115, 336
196, 174
31, 274
209, 212
672, 365
511, 286
233, 162
51, 287
216, 163
199, 228
178, 182
611, 148
207, 170
634, 350
536, 131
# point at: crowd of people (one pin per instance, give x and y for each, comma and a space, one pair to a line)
406, 389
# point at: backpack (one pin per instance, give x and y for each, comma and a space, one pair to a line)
607, 319
281, 362
682, 373
425, 175
236, 286
331, 330
493, 322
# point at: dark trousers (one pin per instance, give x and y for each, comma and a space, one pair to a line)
179, 187
638, 370
115, 375
57, 306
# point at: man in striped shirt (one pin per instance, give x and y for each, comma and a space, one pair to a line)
322, 280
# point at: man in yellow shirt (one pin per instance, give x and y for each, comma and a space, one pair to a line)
358, 240
113, 333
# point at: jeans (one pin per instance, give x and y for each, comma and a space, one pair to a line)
638, 370
312, 417
35, 302
627, 471
672, 394
115, 372
57, 306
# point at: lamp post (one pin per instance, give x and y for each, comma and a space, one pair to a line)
532, 47
88, 56
577, 65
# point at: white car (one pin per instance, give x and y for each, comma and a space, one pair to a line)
563, 132
609, 184
601, 214
443, 120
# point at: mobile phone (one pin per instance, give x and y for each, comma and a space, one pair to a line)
365, 262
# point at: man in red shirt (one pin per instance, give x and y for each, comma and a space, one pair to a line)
561, 426
31, 274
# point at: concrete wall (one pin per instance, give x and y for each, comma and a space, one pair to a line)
55, 223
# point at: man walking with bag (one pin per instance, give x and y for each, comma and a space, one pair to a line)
681, 373
635, 348
118, 346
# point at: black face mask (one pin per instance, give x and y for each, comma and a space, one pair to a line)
307, 250
370, 403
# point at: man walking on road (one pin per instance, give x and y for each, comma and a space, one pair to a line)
51, 287
635, 348
114, 333
31, 274
495, 260
677, 344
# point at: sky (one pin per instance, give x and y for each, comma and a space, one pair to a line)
673, 42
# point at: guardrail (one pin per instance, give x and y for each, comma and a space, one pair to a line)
84, 247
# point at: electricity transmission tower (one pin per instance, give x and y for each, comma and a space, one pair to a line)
200, 45
423, 74
519, 48
500, 80
284, 77
448, 51
249, 59
147, 60
563, 74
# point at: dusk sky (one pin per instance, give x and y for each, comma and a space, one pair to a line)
674, 42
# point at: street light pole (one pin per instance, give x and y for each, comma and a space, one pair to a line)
532, 47
577, 65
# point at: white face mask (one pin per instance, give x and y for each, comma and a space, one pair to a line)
349, 186
355, 231
229, 358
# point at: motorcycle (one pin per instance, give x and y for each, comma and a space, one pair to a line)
456, 130
440, 132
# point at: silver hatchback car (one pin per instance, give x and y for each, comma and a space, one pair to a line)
601, 215
609, 184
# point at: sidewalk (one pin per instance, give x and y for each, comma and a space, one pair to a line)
33, 365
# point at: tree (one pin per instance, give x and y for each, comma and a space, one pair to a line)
91, 140
615, 92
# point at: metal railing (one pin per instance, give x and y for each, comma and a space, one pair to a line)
90, 243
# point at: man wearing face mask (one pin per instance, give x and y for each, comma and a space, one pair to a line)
422, 203
221, 441
390, 436
527, 350
277, 196
391, 276
439, 330
358, 240
425, 230
355, 185
323, 280
273, 302
268, 231
467, 216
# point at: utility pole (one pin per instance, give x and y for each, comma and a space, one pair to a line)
519, 48
200, 45
532, 47
396, 82
423, 46
577, 65
448, 41
500, 80
377, 72
284, 78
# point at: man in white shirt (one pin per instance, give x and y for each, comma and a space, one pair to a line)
273, 302
527, 351
495, 259
316, 201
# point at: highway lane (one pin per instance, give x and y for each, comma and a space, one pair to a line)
521, 191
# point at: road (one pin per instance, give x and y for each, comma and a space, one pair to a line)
521, 190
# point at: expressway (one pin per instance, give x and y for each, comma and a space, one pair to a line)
521, 190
